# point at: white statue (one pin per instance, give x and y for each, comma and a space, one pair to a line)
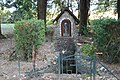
65, 29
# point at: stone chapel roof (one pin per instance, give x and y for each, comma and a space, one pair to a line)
67, 10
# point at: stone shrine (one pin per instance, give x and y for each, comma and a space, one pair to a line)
65, 37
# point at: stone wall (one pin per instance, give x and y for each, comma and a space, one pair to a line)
74, 31
66, 45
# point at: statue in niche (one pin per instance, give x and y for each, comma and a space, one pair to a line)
66, 28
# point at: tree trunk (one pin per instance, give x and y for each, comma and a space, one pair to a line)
41, 8
118, 8
84, 8
0, 26
1, 35
78, 10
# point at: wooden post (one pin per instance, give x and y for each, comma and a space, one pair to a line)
33, 57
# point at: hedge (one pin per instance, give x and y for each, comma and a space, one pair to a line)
106, 36
28, 33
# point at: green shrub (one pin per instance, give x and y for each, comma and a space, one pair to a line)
27, 34
106, 36
88, 49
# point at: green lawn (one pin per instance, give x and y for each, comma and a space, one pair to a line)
7, 28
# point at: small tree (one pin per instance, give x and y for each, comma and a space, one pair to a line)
28, 33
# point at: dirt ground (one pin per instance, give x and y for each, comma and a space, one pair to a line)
9, 70
12, 70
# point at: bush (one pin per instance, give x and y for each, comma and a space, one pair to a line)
106, 36
88, 49
27, 34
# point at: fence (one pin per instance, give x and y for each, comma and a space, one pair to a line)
86, 66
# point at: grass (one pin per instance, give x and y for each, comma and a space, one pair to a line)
7, 28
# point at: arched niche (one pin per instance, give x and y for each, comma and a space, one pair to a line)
66, 28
